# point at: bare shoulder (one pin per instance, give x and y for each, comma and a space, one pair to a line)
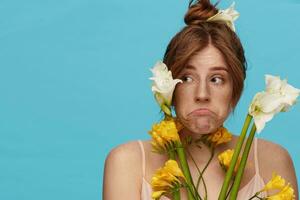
127, 154
123, 166
275, 158
129, 147
270, 152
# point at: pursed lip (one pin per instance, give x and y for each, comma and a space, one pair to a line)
201, 111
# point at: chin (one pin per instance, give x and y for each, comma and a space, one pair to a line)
201, 125
200, 130
203, 130
204, 125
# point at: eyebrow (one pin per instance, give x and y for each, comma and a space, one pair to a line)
215, 68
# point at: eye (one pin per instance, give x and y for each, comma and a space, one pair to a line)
187, 79
217, 80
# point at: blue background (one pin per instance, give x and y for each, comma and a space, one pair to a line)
74, 84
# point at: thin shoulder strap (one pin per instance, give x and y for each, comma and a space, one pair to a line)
256, 156
143, 156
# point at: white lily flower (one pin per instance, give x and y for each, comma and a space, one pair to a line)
228, 15
263, 108
163, 84
278, 97
275, 85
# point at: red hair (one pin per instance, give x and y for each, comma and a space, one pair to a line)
198, 34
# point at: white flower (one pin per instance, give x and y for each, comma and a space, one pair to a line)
163, 84
263, 108
228, 15
278, 97
275, 85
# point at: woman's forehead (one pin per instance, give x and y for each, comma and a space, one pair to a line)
210, 57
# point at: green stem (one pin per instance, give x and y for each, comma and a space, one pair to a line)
237, 150
186, 171
242, 165
229, 190
192, 195
176, 194
252, 197
199, 171
202, 172
166, 109
255, 196
205, 189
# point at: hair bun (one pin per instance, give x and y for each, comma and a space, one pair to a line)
199, 12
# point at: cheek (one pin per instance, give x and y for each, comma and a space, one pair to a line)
181, 99
225, 98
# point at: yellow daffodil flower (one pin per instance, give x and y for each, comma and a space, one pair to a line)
222, 135
165, 179
287, 193
158, 194
277, 182
164, 135
225, 159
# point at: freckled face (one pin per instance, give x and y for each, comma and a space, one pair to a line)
202, 102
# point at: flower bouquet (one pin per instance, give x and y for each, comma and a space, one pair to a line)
278, 96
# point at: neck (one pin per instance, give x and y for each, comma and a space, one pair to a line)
198, 150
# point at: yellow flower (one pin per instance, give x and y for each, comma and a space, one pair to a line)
164, 135
287, 193
158, 194
225, 159
165, 179
222, 135
275, 183
172, 167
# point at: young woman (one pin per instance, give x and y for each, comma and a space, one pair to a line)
208, 57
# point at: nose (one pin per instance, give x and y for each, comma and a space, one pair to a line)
202, 92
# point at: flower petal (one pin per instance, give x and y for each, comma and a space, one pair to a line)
228, 15
163, 83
